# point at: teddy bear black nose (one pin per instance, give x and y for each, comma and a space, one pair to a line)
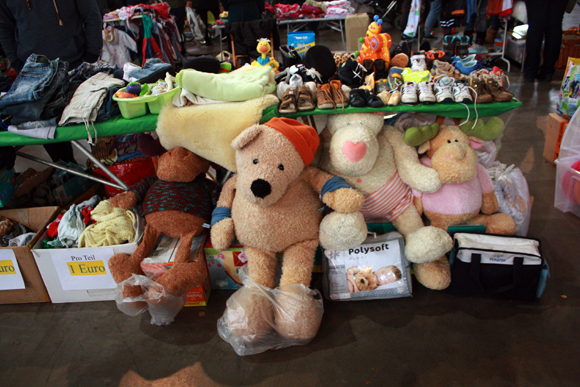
261, 188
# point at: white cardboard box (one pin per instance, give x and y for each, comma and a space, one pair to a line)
55, 264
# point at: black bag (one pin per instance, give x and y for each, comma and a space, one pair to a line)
205, 63
497, 266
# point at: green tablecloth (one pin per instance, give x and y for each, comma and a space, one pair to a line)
118, 125
453, 110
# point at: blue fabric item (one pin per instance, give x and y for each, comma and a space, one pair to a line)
220, 213
130, 156
31, 83
151, 66
333, 184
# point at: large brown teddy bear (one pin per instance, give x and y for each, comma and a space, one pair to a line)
467, 193
374, 159
272, 206
176, 203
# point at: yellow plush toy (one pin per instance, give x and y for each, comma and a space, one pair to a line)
264, 49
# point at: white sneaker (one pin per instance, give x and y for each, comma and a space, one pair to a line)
443, 89
409, 93
426, 92
418, 63
461, 93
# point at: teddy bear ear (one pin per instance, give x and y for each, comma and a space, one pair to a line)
246, 137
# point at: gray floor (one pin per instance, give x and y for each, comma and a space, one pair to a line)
431, 339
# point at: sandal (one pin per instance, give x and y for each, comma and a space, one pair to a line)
305, 100
288, 104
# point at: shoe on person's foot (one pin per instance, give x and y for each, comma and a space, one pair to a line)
426, 94
442, 87
324, 97
544, 77
461, 93
409, 93
418, 62
498, 93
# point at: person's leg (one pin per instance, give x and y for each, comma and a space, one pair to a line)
60, 151
553, 41
537, 11
432, 17
481, 26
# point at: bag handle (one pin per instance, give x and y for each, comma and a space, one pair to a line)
475, 272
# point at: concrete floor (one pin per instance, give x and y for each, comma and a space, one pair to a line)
431, 339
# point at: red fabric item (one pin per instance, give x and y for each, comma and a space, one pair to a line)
499, 8
52, 230
130, 173
311, 11
87, 215
285, 11
161, 8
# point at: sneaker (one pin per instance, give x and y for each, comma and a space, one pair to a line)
418, 62
338, 95
357, 98
449, 45
479, 90
443, 89
324, 97
381, 85
381, 69
467, 68
461, 93
373, 100
415, 76
498, 74
443, 68
478, 49
426, 94
409, 93
498, 93
399, 60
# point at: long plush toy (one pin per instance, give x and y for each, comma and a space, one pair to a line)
272, 205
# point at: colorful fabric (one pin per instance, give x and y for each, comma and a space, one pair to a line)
197, 198
389, 201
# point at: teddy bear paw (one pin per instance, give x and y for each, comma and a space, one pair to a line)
299, 313
345, 200
427, 244
222, 234
435, 275
342, 231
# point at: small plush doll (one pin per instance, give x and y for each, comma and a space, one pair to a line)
273, 206
365, 279
176, 203
467, 193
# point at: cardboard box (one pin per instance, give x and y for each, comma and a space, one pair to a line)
36, 219
80, 275
554, 133
30, 179
301, 41
7, 185
162, 258
223, 266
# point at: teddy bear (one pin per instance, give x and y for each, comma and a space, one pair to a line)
365, 279
272, 206
176, 203
361, 280
467, 193
374, 159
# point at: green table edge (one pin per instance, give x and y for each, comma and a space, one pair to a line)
446, 110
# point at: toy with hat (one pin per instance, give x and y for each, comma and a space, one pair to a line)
264, 49
375, 45
272, 206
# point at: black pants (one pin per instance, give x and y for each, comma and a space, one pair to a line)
60, 151
545, 21
179, 14
203, 17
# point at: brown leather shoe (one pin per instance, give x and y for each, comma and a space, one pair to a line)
497, 91
288, 104
478, 85
324, 97
337, 95
305, 102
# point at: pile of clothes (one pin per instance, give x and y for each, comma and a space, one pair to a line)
311, 9
13, 234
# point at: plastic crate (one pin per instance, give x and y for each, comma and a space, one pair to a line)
158, 101
133, 107
567, 197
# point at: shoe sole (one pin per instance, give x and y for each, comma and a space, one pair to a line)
465, 100
446, 100
326, 106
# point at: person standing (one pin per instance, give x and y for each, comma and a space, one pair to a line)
243, 10
65, 29
203, 7
545, 22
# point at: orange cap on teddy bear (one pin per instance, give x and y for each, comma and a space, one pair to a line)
303, 137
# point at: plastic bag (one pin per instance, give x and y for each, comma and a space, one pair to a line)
257, 318
511, 189
129, 173
487, 153
195, 24
162, 306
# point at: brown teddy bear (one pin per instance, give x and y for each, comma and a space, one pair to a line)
467, 193
272, 205
365, 279
176, 203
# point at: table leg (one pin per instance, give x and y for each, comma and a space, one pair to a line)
342, 34
115, 178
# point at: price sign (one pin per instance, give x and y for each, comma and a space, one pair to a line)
84, 269
10, 275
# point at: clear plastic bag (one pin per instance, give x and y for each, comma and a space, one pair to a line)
513, 195
162, 306
257, 318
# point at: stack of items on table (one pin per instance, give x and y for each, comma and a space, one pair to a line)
92, 223
141, 32
311, 9
378, 78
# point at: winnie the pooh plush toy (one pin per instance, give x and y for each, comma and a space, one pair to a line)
176, 203
467, 193
272, 206
374, 159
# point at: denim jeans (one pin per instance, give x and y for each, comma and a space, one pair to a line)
31, 83
432, 17
32, 111
153, 66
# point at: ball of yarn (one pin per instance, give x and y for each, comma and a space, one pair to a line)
134, 88
571, 184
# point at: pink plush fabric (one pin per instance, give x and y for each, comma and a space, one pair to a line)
456, 199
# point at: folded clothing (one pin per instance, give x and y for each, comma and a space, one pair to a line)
113, 226
71, 227
231, 87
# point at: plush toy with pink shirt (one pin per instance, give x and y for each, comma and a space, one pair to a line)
466, 194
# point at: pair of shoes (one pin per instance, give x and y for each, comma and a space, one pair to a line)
468, 65
330, 95
418, 62
392, 95
351, 73
487, 89
379, 67
490, 36
455, 45
296, 100
497, 74
444, 68
363, 97
449, 90
413, 93
415, 76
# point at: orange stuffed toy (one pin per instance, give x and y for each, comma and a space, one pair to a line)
375, 45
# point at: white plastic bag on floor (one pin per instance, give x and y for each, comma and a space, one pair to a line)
257, 318
513, 195
162, 306
195, 24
